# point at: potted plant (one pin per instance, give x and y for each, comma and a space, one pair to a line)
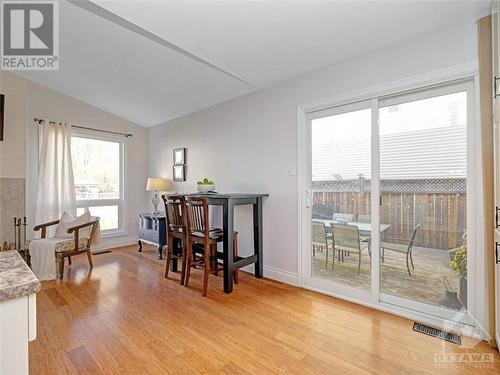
205, 185
459, 265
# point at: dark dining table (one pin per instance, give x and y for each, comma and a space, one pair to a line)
228, 201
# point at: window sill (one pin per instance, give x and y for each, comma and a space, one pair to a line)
112, 234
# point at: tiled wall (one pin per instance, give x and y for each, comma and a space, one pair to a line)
12, 204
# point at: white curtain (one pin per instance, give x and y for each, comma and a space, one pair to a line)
56, 186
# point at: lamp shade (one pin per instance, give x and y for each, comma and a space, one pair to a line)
157, 184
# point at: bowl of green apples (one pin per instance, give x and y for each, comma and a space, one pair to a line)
205, 185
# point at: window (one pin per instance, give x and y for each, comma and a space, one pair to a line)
98, 172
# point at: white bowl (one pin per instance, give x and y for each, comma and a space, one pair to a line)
204, 188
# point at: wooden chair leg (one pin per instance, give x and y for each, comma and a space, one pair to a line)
60, 266
215, 261
89, 257
183, 269
411, 259
359, 262
170, 247
206, 272
326, 257
69, 261
235, 254
189, 255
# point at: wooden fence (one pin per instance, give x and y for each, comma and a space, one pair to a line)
443, 215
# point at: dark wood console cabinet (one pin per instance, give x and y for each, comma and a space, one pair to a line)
152, 230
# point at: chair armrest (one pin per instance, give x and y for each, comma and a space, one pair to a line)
76, 230
81, 226
393, 237
44, 226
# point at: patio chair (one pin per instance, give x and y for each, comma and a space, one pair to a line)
347, 240
402, 248
321, 239
343, 216
364, 218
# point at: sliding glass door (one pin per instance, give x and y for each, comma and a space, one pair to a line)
341, 172
407, 245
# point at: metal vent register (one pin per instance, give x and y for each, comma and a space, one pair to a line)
436, 332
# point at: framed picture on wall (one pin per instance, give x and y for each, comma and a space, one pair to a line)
2, 104
179, 173
179, 156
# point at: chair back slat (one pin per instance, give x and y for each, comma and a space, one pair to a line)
196, 215
173, 212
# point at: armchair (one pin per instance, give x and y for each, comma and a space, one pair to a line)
69, 248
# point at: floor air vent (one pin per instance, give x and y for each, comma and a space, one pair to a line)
435, 332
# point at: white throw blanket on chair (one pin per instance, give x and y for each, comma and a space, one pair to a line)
43, 257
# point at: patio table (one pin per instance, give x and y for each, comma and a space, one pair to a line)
365, 229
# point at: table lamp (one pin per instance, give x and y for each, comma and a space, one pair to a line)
156, 185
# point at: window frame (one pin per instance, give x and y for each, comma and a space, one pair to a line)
87, 203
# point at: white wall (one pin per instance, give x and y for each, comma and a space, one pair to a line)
43, 102
246, 144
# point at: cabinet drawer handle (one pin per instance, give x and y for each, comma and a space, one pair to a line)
497, 211
496, 253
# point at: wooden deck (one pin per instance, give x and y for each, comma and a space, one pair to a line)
125, 318
424, 285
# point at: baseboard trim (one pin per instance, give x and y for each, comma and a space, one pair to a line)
273, 273
277, 274
112, 242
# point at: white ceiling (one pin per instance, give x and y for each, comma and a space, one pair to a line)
154, 61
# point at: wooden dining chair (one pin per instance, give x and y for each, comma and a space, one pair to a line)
174, 218
199, 233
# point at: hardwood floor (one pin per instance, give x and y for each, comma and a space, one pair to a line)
125, 318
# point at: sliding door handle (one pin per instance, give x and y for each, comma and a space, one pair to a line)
308, 198
496, 253
497, 210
